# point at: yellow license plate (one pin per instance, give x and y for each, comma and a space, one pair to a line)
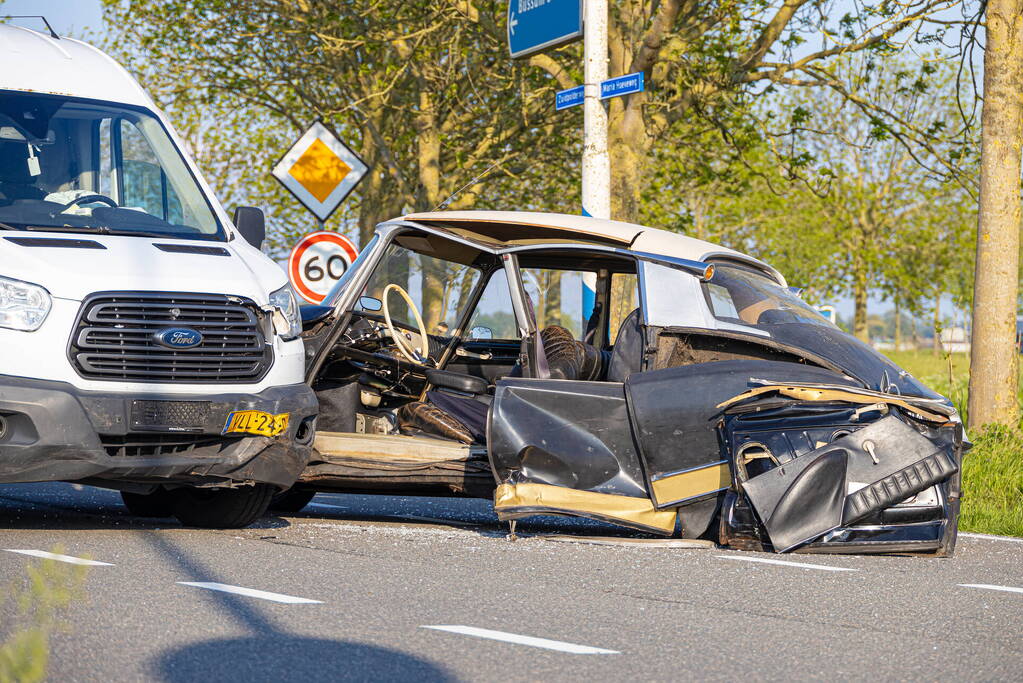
256, 422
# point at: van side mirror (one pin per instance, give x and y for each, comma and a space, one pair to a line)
251, 224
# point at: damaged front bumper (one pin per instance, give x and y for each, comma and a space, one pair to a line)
833, 469
54, 432
818, 464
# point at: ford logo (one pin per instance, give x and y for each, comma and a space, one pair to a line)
178, 337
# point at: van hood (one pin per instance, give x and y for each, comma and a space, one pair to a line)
72, 266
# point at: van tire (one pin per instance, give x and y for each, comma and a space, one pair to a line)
222, 508
292, 500
159, 503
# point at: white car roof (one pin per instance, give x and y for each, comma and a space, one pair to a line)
36, 62
629, 235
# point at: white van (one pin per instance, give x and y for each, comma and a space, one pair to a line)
146, 343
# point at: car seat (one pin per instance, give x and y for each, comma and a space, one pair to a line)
464, 418
627, 353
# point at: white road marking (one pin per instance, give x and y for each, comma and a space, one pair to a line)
801, 565
525, 640
991, 537
61, 558
1007, 589
251, 592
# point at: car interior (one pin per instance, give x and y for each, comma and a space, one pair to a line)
434, 330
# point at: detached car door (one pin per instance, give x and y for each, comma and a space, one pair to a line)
566, 447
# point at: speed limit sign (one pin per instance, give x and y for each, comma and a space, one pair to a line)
317, 262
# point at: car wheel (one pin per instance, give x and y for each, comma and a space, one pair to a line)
292, 500
159, 503
222, 508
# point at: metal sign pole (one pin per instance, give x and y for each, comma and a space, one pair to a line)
596, 189
596, 164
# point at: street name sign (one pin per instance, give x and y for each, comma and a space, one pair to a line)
537, 25
317, 262
622, 85
572, 97
320, 171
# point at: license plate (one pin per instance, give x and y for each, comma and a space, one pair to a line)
256, 422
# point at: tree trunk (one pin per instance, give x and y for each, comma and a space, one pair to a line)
860, 293
629, 145
993, 355
898, 328
552, 298
936, 342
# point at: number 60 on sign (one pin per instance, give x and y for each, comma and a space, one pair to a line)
317, 262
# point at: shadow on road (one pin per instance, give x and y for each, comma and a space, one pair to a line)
271, 652
280, 657
67, 507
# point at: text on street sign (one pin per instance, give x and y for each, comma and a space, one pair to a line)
538, 25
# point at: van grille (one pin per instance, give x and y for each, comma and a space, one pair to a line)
114, 338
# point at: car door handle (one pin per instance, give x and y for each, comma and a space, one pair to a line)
469, 354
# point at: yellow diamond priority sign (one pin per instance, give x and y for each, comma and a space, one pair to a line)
320, 171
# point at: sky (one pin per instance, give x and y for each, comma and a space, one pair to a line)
69, 17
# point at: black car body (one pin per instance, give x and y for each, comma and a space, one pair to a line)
692, 395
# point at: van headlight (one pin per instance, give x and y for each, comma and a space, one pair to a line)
23, 306
287, 320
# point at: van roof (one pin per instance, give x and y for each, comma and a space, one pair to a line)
35, 62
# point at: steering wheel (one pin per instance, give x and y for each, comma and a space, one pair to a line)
404, 346
88, 198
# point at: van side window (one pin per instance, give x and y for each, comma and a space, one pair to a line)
106, 184
145, 183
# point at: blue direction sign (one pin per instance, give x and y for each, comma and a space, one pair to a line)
622, 85
536, 25
572, 97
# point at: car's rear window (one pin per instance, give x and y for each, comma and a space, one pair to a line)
743, 296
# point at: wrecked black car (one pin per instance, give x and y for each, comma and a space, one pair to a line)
567, 365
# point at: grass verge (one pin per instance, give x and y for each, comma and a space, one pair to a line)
993, 469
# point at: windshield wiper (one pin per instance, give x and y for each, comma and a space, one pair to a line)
97, 230
7, 226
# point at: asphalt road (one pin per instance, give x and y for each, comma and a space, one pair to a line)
355, 588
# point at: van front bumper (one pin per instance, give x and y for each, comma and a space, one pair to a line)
51, 431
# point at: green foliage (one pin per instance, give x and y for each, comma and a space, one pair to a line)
993, 469
423, 92
48, 590
993, 483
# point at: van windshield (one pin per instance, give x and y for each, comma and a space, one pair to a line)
87, 166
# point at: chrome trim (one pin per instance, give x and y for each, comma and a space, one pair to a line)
748, 260
665, 475
697, 268
440, 232
511, 270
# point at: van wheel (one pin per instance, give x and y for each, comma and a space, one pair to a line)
292, 500
222, 508
159, 503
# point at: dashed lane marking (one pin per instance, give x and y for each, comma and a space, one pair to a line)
991, 537
801, 565
990, 587
524, 640
251, 592
60, 558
